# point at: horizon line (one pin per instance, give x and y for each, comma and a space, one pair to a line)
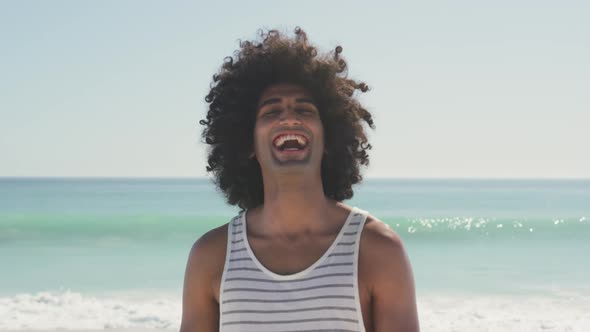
40, 177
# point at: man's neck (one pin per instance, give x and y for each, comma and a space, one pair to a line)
294, 206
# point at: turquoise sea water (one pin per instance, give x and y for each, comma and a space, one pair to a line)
71, 240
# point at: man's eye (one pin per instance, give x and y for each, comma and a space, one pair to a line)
271, 112
304, 110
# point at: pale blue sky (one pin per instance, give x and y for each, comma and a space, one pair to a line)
459, 88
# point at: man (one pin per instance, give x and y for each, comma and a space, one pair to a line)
286, 146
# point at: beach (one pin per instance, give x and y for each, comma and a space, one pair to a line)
111, 330
436, 313
109, 254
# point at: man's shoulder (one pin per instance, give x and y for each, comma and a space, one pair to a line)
387, 275
379, 235
211, 240
201, 281
381, 246
208, 251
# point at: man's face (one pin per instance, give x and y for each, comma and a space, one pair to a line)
288, 135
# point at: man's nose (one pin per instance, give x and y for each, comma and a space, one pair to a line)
290, 116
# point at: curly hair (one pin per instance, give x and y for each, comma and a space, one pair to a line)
233, 96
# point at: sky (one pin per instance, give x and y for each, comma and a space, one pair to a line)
459, 89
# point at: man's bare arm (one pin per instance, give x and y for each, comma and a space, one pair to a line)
200, 310
392, 282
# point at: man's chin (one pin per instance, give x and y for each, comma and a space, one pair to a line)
291, 162
297, 157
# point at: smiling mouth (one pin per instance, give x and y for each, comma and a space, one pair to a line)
290, 149
290, 143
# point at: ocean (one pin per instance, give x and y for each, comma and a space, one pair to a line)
105, 254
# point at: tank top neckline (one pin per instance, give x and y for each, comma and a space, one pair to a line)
305, 271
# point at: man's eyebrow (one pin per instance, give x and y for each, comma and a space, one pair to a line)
269, 101
278, 100
304, 100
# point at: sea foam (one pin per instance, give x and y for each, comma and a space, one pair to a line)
53, 310
72, 310
567, 313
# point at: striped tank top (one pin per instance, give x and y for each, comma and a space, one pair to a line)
323, 297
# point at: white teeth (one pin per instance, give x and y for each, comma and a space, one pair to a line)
279, 142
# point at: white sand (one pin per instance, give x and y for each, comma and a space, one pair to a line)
72, 312
113, 330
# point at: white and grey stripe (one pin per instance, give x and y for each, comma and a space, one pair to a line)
323, 297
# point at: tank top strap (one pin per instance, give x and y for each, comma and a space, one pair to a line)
356, 225
236, 232
360, 217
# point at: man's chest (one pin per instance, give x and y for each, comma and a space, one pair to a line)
292, 258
